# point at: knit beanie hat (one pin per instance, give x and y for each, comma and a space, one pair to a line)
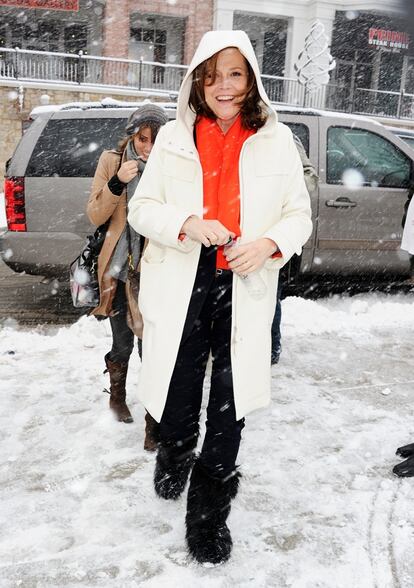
146, 114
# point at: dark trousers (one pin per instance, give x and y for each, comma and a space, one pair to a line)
207, 327
276, 333
122, 336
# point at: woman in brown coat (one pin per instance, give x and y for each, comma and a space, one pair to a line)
116, 178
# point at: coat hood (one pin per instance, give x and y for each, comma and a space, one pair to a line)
211, 43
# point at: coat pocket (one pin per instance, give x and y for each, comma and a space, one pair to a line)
179, 168
270, 161
154, 253
152, 290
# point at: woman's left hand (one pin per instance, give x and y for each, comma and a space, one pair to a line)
247, 258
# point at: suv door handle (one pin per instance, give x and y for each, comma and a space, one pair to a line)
341, 202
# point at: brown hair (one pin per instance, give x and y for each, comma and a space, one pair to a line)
252, 112
152, 126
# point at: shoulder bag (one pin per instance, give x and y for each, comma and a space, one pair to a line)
83, 271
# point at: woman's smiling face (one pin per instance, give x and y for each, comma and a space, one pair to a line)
225, 92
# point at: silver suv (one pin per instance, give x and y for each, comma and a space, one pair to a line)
364, 169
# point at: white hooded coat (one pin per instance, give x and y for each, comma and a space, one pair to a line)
274, 203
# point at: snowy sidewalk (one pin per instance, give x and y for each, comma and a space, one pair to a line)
318, 506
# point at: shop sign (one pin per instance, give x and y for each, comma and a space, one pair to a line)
46, 4
389, 39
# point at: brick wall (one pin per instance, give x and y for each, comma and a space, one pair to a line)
116, 29
198, 15
16, 106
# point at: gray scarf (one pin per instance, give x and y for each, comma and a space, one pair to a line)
119, 263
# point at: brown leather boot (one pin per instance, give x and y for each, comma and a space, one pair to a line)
117, 375
152, 433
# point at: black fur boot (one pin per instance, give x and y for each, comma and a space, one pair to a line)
405, 469
208, 506
172, 468
406, 451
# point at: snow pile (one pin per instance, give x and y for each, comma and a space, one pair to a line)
318, 506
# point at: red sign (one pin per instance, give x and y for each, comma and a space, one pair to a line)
391, 39
46, 4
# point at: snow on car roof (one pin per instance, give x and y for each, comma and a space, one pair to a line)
107, 103
401, 131
104, 103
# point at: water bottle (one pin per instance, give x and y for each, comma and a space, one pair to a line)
253, 282
255, 285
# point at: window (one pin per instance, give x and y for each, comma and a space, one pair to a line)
274, 49
71, 147
301, 131
47, 37
380, 162
21, 35
76, 38
153, 46
3, 35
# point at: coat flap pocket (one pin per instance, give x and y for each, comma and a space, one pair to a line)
269, 161
154, 253
180, 168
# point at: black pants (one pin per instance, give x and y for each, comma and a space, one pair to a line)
276, 333
122, 336
207, 327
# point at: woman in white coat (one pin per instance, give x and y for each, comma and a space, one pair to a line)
225, 169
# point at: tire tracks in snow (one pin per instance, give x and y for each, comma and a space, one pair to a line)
380, 537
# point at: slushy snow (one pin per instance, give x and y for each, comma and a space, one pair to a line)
318, 505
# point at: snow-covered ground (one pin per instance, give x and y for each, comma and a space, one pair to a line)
318, 506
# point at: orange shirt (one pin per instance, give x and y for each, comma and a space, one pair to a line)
219, 156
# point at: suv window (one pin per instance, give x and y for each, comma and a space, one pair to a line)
380, 162
71, 147
301, 131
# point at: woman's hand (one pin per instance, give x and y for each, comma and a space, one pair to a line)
128, 171
245, 259
207, 232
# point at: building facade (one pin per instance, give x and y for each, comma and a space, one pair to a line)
369, 39
67, 26
165, 31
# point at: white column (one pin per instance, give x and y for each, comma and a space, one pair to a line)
223, 19
297, 31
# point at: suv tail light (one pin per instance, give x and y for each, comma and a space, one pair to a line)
15, 210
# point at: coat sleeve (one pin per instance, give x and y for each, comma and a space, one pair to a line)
311, 177
294, 228
102, 202
149, 213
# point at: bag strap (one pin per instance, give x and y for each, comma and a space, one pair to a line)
129, 241
105, 226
